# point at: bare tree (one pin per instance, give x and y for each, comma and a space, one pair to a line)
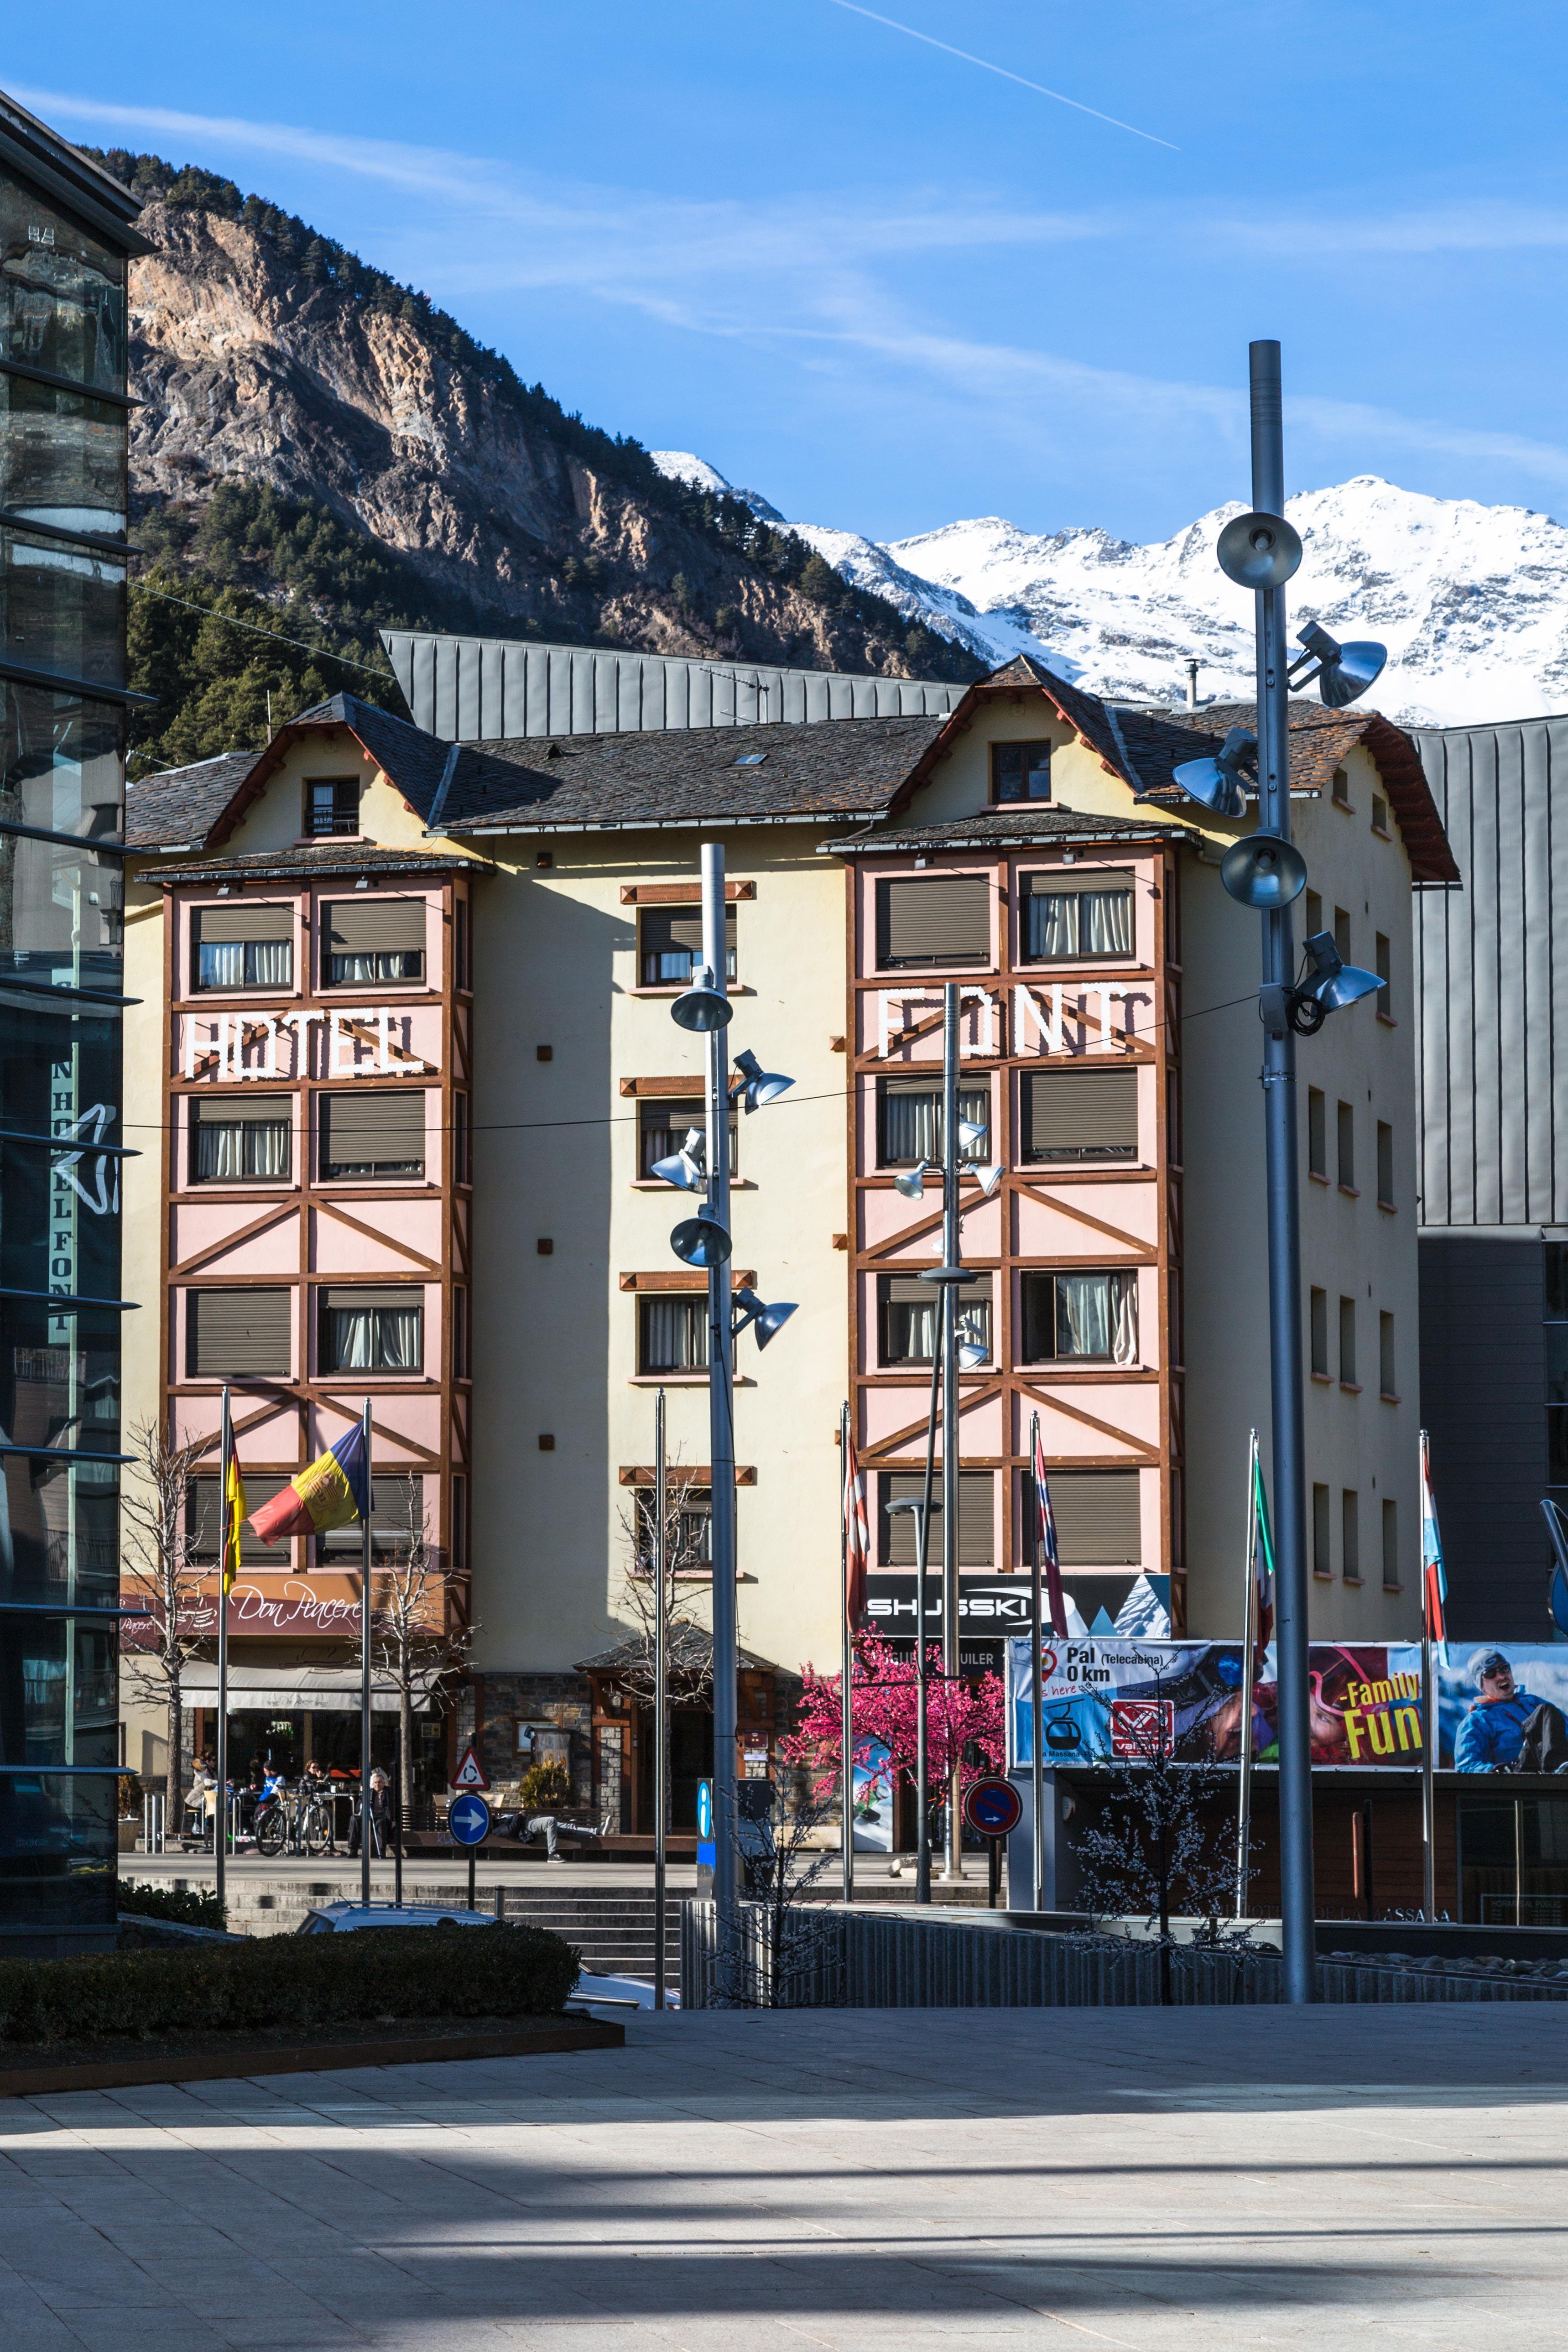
161, 1569
416, 1636
689, 1648
782, 1952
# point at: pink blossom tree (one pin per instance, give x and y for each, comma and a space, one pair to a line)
960, 1715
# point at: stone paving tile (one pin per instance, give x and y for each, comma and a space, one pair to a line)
912, 2181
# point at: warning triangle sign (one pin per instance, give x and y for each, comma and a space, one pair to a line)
470, 1773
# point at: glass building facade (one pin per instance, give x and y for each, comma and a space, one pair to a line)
65, 241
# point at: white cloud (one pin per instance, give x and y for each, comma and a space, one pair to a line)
801, 272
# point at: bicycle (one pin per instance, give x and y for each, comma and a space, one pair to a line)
296, 1820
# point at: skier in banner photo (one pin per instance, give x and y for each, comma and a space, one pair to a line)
1508, 1729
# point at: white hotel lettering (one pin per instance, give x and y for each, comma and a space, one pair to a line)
232, 1037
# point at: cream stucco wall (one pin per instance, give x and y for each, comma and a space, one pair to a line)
555, 1157
1349, 1247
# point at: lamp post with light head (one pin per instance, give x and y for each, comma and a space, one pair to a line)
1264, 870
704, 1242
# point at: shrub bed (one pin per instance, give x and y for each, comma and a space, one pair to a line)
303, 1983
187, 1904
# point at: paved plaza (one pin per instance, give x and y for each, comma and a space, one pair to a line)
900, 2179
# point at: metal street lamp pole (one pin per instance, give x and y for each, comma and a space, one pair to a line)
365, 1762
951, 1245
1296, 1896
660, 1692
721, 1419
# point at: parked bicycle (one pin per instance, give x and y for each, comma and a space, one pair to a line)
295, 1821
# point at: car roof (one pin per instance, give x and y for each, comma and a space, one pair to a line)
340, 1911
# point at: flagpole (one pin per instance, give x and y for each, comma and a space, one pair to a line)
220, 1794
1036, 1711
364, 1666
846, 1694
1429, 1728
1249, 1672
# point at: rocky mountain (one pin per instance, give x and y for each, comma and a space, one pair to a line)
309, 430
1471, 601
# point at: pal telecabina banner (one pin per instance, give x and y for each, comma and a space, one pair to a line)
1502, 1706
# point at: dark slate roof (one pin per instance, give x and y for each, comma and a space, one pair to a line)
1005, 828
1319, 741
691, 1652
316, 858
691, 776
178, 808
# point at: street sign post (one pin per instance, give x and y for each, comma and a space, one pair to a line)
707, 1850
995, 1809
469, 1819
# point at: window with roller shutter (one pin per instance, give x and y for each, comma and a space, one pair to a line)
670, 944
934, 918
1072, 1115
369, 941
229, 1332
976, 1527
909, 1310
242, 947
1098, 1518
367, 1135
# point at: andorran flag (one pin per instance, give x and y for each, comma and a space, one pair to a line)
330, 1494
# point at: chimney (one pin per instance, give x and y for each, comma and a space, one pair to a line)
1191, 685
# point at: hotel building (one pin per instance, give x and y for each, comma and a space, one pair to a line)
371, 916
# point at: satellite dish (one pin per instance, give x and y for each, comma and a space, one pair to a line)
1263, 871
1258, 550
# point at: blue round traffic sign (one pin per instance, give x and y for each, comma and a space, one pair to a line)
705, 1811
992, 1807
470, 1819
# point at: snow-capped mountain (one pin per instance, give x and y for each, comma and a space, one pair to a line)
1471, 601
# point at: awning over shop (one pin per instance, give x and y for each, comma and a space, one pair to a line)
335, 1689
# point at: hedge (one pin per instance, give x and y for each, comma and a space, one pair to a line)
302, 1983
187, 1905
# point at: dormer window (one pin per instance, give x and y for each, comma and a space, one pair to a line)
332, 807
1020, 771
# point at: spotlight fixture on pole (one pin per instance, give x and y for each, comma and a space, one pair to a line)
1343, 672
1217, 781
686, 1168
913, 1183
705, 1241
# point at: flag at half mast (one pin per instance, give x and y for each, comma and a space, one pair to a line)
1434, 1579
1046, 1535
233, 1516
330, 1494
856, 1537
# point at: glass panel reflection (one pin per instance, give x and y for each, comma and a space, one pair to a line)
58, 1837
62, 293
61, 913
63, 609
63, 457
61, 760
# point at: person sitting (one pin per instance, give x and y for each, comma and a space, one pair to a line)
1508, 1729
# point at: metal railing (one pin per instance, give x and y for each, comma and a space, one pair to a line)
856, 1960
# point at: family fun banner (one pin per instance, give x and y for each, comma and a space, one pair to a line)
1501, 1707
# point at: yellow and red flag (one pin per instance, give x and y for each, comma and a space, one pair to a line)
330, 1494
233, 1513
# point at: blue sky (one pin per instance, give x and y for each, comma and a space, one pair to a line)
888, 287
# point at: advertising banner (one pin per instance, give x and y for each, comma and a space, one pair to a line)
1501, 1705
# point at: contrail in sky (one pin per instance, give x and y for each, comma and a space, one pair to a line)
987, 66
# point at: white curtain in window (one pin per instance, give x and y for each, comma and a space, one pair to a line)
1080, 922
269, 963
267, 1147
912, 1330
223, 963
675, 1335
219, 1149
1097, 1315
376, 1338
912, 1124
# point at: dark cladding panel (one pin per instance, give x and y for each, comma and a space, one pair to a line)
1492, 979
1483, 1399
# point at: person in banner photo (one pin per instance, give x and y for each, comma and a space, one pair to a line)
1508, 1729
